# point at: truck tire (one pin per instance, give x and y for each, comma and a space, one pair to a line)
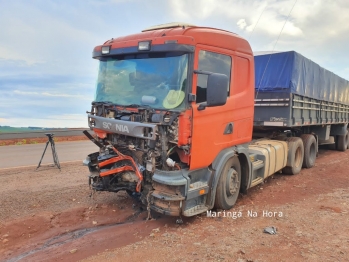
295, 156
309, 143
342, 142
228, 186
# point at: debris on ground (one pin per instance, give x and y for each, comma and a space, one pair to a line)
270, 230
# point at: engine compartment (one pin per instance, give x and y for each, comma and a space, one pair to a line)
134, 141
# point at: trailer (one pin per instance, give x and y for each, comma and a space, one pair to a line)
186, 118
293, 91
301, 99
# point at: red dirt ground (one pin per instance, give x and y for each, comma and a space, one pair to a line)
48, 215
7, 142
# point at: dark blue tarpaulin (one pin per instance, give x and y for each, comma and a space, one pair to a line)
294, 73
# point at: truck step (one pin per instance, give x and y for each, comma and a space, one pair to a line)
256, 181
167, 196
252, 157
195, 210
257, 164
197, 189
197, 185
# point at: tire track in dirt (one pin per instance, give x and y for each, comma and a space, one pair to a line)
74, 235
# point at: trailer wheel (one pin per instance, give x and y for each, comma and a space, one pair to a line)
309, 143
228, 184
295, 156
342, 142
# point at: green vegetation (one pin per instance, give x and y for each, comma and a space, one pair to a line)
23, 142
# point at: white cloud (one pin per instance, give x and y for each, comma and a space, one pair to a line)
270, 15
242, 23
37, 34
26, 93
70, 117
292, 30
317, 29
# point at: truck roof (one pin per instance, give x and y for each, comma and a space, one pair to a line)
183, 33
168, 25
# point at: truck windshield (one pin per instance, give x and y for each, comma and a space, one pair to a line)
157, 80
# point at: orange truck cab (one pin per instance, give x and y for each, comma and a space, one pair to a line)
173, 117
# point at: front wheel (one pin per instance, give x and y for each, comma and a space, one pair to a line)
228, 187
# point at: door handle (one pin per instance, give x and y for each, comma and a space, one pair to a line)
229, 129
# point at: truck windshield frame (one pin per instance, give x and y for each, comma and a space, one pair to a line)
157, 80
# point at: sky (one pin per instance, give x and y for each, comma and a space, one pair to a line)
48, 76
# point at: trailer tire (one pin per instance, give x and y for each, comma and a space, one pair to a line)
228, 186
309, 143
295, 156
342, 142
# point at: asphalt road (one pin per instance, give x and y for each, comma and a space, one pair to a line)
41, 134
29, 155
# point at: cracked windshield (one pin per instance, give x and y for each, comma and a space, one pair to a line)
157, 80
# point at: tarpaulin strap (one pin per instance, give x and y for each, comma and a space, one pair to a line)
117, 170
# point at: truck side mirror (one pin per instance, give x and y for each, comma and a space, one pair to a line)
216, 90
217, 86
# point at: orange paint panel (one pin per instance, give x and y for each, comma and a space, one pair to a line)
188, 36
184, 40
208, 138
184, 125
243, 125
100, 133
204, 130
182, 156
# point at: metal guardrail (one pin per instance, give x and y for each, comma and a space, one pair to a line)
41, 134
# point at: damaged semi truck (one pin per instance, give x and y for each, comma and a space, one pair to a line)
187, 117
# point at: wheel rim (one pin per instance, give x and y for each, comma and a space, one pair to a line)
232, 185
298, 158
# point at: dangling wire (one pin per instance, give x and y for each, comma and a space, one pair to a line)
265, 69
259, 18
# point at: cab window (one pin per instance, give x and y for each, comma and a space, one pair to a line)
211, 62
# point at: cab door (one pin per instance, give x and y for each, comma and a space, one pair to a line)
214, 128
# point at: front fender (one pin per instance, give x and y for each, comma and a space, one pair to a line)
242, 152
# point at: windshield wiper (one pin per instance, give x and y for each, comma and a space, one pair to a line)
132, 105
139, 106
108, 103
102, 102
